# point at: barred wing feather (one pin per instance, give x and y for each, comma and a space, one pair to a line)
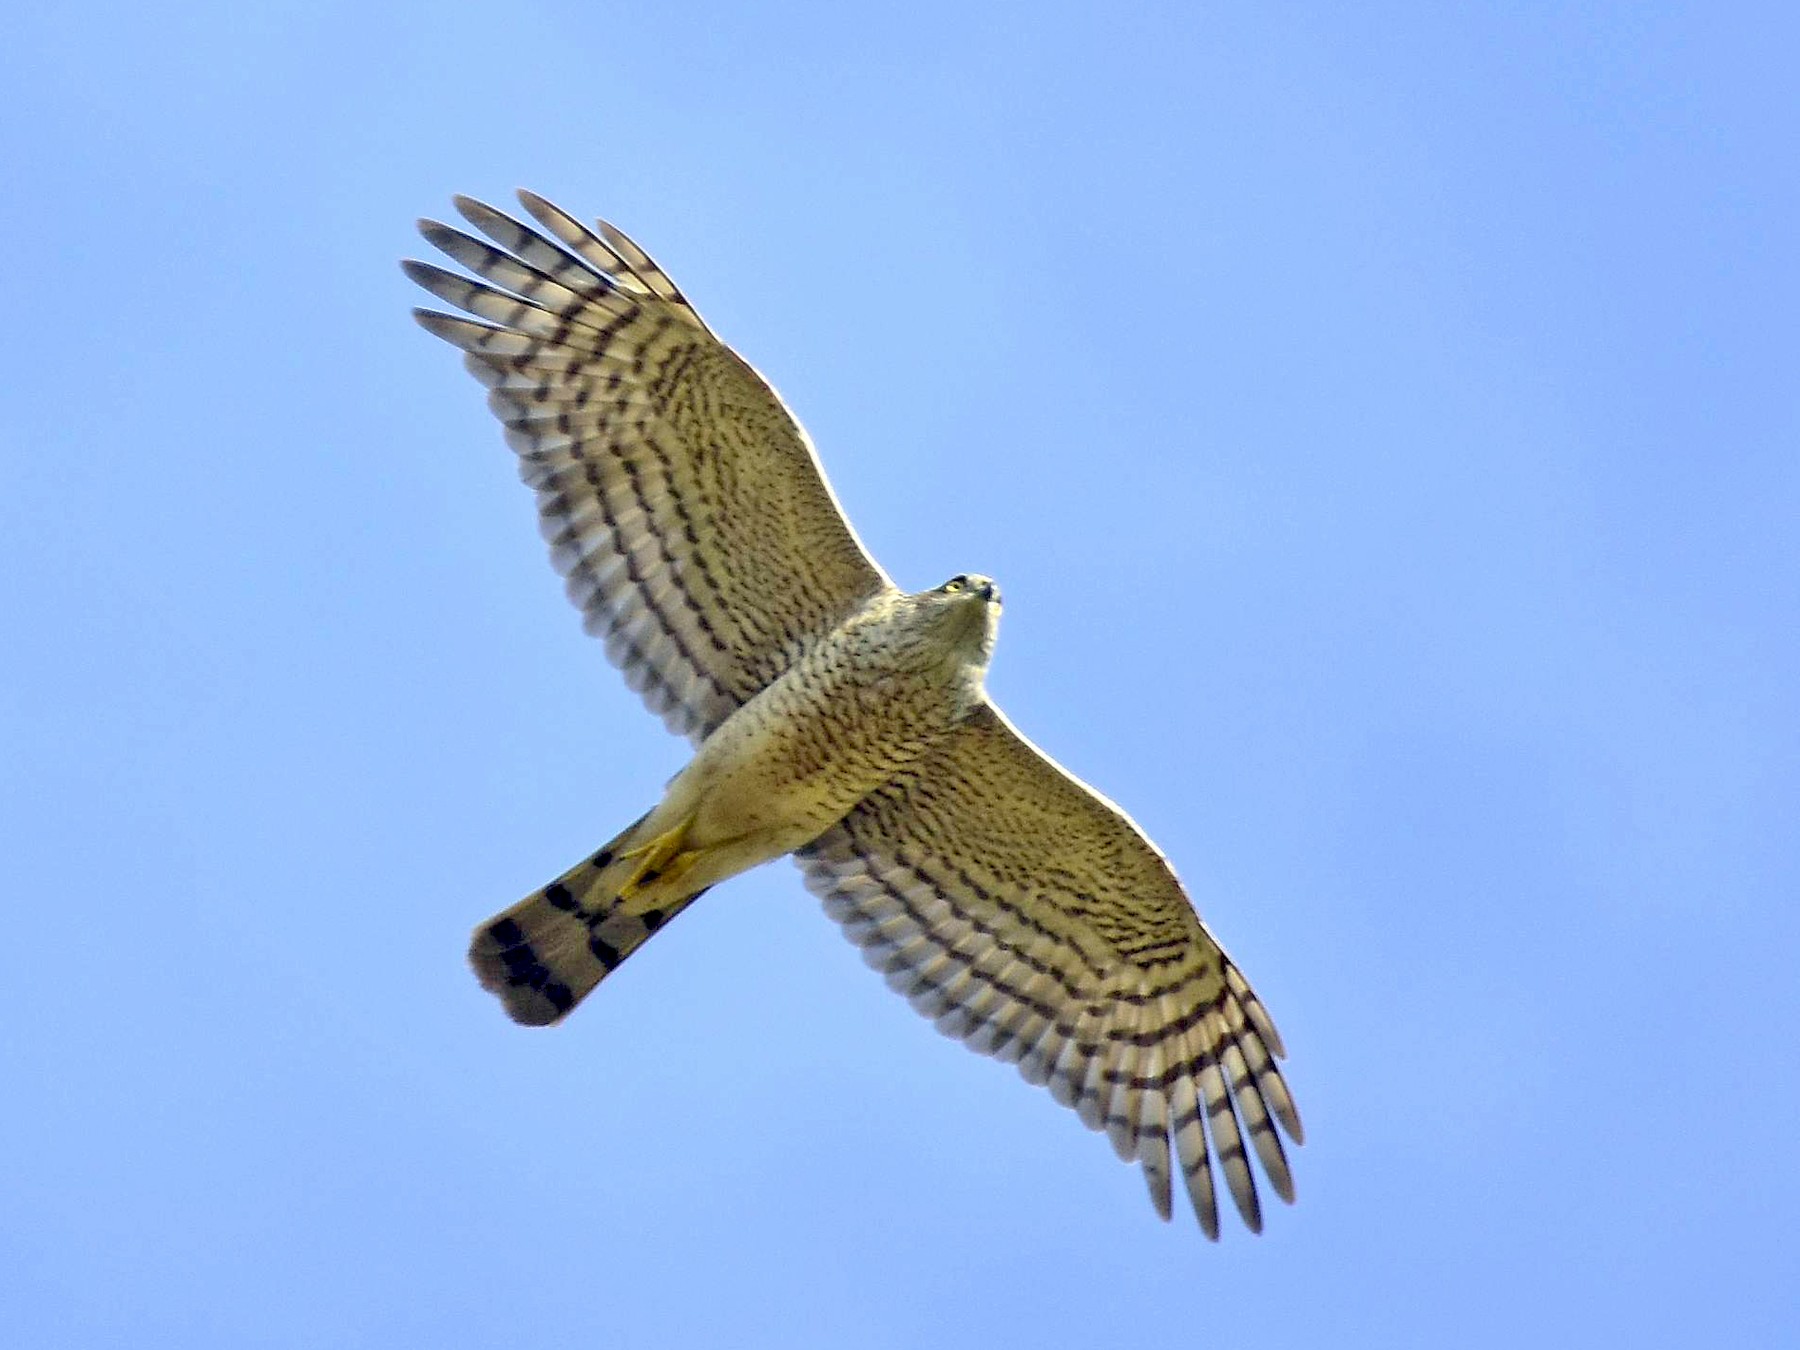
1031, 918
681, 500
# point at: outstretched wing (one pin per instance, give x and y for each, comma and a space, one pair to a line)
681, 500
1032, 919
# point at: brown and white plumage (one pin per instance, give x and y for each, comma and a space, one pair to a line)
1030, 918
837, 718
681, 500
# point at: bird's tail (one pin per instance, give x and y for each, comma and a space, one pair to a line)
549, 951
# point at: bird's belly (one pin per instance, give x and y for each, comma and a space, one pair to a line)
782, 770
762, 804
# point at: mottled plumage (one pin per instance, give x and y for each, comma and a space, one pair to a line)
836, 718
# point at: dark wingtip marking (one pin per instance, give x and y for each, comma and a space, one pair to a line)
506, 932
560, 898
653, 919
423, 272
604, 952
602, 859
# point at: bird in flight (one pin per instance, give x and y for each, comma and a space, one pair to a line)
837, 718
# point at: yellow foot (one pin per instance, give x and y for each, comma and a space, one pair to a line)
657, 860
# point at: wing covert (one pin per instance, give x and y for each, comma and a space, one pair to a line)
1029, 917
681, 500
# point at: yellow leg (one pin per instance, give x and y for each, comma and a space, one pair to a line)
658, 860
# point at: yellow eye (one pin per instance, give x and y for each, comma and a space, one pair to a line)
954, 585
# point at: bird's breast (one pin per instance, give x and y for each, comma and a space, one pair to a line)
796, 758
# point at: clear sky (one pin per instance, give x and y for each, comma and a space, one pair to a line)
1385, 423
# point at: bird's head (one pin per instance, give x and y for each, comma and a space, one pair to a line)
964, 613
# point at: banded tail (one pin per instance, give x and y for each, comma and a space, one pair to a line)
549, 951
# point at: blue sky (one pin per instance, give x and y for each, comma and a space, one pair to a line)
1383, 420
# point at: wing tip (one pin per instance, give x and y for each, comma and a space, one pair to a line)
435, 232
452, 328
1283, 1184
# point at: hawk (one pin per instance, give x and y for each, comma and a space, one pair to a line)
837, 718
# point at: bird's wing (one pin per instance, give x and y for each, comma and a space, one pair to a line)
1032, 919
681, 500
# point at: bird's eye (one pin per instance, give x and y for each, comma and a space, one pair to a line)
955, 584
